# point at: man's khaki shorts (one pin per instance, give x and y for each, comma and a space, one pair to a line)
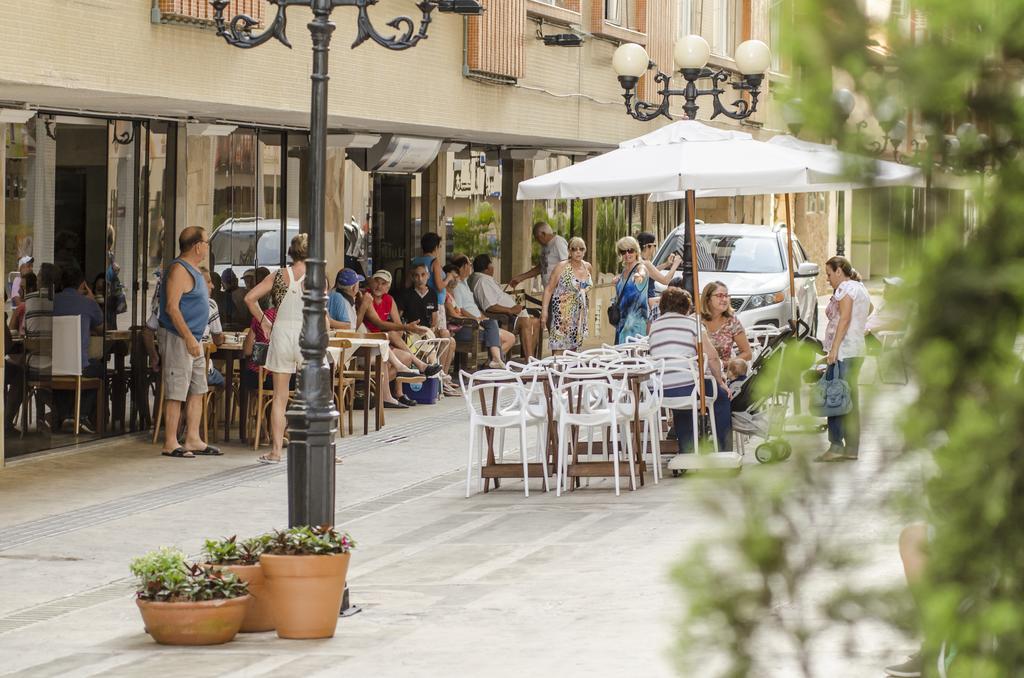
183, 374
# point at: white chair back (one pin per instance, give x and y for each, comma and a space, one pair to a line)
67, 346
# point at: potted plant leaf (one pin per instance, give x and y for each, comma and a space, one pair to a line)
305, 569
243, 560
187, 604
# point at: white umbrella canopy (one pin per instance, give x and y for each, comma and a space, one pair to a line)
829, 169
686, 155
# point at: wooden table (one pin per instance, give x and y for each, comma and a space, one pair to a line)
118, 344
373, 352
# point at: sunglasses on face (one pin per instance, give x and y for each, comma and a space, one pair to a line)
577, 249
625, 252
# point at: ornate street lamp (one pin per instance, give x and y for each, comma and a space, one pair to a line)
311, 419
690, 55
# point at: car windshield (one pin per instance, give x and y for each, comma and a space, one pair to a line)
729, 253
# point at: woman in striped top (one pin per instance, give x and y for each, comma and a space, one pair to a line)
674, 335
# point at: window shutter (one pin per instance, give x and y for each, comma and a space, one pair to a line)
495, 39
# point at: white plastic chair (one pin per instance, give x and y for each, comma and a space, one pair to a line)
66, 365
498, 399
588, 397
688, 367
649, 410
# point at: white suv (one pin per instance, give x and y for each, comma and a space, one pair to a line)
752, 262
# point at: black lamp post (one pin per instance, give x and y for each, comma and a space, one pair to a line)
311, 420
691, 54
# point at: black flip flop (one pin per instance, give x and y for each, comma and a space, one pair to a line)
180, 453
208, 451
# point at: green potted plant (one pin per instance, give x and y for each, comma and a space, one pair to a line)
243, 560
305, 569
187, 604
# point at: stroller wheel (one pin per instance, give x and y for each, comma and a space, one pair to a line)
765, 452
784, 450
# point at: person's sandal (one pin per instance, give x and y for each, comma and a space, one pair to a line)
831, 455
179, 453
208, 451
266, 459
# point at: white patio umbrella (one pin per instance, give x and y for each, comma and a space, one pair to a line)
831, 170
686, 155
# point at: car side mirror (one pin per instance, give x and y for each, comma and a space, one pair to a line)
807, 269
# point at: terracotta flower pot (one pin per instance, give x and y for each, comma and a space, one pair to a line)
305, 593
210, 622
260, 616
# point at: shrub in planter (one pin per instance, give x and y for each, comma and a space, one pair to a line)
243, 560
305, 569
187, 604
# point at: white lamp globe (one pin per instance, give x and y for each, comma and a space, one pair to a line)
630, 60
691, 51
753, 57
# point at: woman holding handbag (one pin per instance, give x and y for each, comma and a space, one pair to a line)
847, 313
630, 309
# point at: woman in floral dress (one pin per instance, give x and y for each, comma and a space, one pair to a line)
565, 300
724, 328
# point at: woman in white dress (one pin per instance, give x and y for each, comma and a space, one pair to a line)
847, 313
284, 357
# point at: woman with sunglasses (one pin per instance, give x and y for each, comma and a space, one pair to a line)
565, 300
633, 288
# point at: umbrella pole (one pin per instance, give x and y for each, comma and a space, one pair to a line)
792, 278
691, 233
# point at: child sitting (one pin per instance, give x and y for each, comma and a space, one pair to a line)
736, 373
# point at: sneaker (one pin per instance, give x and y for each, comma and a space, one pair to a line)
395, 405
85, 426
408, 374
432, 370
496, 365
908, 669
407, 401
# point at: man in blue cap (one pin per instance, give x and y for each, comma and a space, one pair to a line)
341, 311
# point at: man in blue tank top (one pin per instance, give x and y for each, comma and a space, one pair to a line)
184, 315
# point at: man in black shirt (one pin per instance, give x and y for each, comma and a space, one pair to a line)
419, 303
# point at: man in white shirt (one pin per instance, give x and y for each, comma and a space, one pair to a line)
553, 250
490, 297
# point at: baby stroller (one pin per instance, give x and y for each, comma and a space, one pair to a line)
759, 410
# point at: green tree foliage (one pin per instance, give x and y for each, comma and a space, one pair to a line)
748, 592
477, 231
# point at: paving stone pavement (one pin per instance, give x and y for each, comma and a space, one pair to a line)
494, 585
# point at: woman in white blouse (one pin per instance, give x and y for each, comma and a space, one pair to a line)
847, 313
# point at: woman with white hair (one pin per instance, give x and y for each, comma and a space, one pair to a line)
565, 300
630, 310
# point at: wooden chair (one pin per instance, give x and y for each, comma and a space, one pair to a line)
214, 395
208, 349
469, 348
344, 387
264, 399
66, 368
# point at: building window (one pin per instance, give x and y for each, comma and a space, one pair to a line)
775, 23
726, 22
563, 4
621, 13
685, 22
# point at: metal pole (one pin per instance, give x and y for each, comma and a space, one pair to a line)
841, 224
691, 229
312, 418
789, 252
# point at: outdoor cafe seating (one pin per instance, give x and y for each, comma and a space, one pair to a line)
595, 413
